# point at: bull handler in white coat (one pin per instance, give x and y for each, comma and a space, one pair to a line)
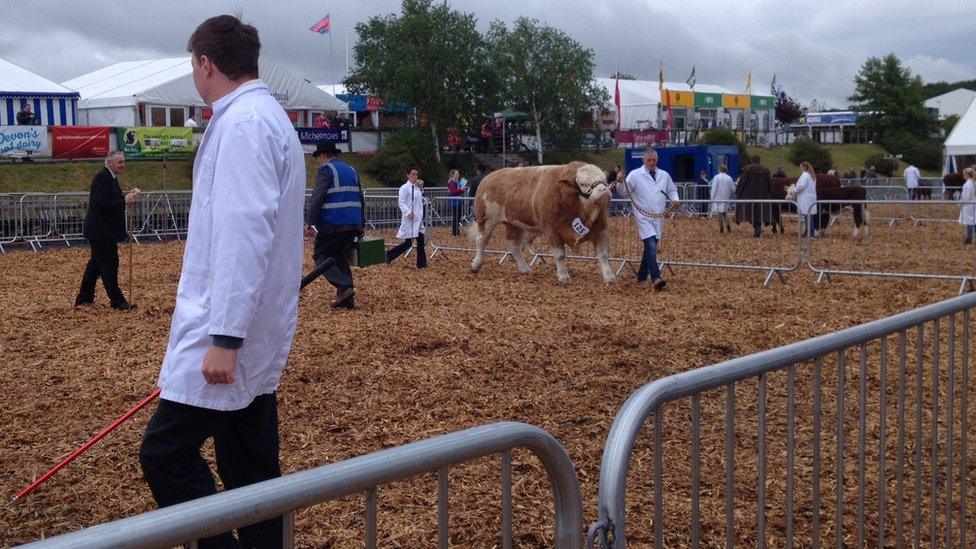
722, 191
237, 299
649, 189
410, 199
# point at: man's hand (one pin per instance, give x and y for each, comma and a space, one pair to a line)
410, 216
676, 204
133, 195
309, 231
219, 365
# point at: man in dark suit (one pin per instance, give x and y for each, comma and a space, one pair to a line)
104, 229
755, 182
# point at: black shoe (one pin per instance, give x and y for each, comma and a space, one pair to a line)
124, 306
344, 295
967, 241
79, 301
659, 284
757, 233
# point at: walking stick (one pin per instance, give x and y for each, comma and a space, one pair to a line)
315, 273
81, 449
132, 297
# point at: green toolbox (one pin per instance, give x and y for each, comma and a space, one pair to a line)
368, 250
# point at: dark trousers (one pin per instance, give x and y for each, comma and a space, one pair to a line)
337, 246
402, 248
246, 448
104, 263
456, 218
649, 261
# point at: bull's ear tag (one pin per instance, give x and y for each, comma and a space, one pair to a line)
580, 228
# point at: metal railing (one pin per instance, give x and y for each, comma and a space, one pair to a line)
929, 247
765, 460
232, 509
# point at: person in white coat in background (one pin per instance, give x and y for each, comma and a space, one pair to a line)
967, 212
806, 198
649, 189
912, 175
722, 190
237, 299
411, 202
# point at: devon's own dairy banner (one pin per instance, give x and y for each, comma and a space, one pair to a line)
19, 140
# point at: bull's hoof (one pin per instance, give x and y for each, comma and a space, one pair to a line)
476, 266
610, 279
563, 279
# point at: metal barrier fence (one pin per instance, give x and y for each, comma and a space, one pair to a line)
9, 219
159, 214
751, 456
689, 238
361, 475
927, 248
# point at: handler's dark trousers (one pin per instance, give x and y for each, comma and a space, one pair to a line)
104, 263
246, 447
402, 248
337, 246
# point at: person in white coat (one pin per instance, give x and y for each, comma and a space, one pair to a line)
237, 299
649, 190
722, 190
967, 212
806, 198
912, 176
410, 198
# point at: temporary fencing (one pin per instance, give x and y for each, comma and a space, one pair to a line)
361, 475
161, 214
859, 436
926, 248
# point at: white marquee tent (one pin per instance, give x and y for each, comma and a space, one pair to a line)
960, 146
53, 104
161, 92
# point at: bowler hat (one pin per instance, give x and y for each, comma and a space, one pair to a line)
326, 147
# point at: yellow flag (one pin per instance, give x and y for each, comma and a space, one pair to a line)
749, 83
660, 77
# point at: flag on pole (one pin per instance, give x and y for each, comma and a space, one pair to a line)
616, 99
660, 77
691, 79
749, 82
667, 103
772, 86
322, 27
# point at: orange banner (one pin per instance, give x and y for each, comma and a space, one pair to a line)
733, 101
679, 98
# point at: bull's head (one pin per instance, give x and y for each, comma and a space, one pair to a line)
791, 192
591, 183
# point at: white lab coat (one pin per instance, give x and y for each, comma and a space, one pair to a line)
411, 199
911, 177
967, 212
650, 195
723, 187
806, 194
243, 258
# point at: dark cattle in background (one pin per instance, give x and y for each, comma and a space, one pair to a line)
953, 183
829, 188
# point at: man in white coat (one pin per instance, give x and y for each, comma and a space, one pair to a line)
410, 199
722, 191
649, 189
237, 299
912, 176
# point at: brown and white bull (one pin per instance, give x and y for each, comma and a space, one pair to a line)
828, 188
567, 205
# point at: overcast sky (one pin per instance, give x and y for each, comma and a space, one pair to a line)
814, 48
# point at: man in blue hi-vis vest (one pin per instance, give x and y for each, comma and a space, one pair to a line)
336, 211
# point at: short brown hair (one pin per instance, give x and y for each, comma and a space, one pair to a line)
231, 45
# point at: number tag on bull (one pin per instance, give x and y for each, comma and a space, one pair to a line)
580, 228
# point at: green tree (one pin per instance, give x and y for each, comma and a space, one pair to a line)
720, 135
948, 124
808, 150
892, 97
545, 73
430, 57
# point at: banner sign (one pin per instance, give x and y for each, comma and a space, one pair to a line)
79, 141
312, 136
708, 100
678, 98
642, 138
17, 141
763, 102
735, 101
152, 142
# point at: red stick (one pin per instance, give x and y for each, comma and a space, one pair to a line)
91, 442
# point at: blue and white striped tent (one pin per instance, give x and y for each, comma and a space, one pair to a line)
54, 104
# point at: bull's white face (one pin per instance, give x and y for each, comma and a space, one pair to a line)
591, 181
791, 192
